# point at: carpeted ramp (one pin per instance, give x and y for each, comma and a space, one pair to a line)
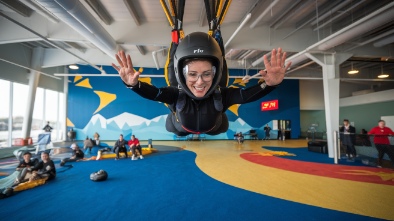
160, 187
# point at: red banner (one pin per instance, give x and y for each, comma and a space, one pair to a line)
269, 105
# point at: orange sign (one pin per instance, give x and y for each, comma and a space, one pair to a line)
269, 105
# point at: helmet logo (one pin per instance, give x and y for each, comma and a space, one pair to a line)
198, 51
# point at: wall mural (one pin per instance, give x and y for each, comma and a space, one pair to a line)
106, 106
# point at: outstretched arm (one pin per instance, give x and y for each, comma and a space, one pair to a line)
130, 78
273, 75
125, 69
275, 68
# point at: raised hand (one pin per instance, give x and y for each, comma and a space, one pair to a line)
125, 69
275, 69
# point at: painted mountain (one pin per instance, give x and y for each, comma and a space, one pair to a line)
128, 124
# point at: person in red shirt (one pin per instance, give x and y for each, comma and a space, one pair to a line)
134, 144
382, 142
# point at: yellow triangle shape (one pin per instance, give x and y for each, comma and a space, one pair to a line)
105, 99
146, 80
69, 123
77, 78
84, 83
234, 108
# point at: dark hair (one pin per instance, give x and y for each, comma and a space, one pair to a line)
121, 135
346, 120
381, 121
133, 135
45, 153
27, 153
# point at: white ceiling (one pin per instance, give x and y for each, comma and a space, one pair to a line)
294, 25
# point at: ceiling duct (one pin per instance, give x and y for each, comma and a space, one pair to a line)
74, 14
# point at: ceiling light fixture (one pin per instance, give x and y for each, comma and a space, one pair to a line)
381, 75
73, 66
353, 71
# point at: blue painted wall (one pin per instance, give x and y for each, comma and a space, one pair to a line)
130, 114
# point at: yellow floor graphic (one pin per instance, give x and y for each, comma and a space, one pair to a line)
221, 160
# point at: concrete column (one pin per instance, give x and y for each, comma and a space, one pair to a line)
10, 120
65, 103
330, 67
34, 77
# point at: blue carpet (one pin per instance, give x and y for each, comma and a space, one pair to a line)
302, 154
160, 187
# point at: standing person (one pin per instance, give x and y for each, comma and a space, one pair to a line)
134, 144
46, 167
382, 142
26, 167
120, 146
47, 128
77, 154
198, 104
267, 130
348, 138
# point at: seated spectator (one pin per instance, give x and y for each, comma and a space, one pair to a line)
134, 144
26, 166
77, 154
46, 167
88, 143
240, 138
96, 138
120, 146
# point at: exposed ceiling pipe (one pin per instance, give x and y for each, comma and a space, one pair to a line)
339, 15
258, 19
371, 40
155, 59
365, 24
73, 13
238, 29
40, 10
331, 11
31, 69
300, 67
384, 41
49, 42
314, 20
288, 9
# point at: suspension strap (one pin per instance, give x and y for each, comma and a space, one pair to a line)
167, 12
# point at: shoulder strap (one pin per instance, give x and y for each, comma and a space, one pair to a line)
217, 100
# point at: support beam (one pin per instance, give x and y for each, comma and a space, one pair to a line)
100, 11
17, 7
132, 11
36, 63
330, 67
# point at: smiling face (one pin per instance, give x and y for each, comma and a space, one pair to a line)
26, 157
44, 156
382, 124
203, 71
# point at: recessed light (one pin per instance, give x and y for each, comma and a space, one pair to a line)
383, 76
73, 66
353, 72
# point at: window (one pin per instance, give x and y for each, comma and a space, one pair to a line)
51, 111
19, 106
38, 115
4, 112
